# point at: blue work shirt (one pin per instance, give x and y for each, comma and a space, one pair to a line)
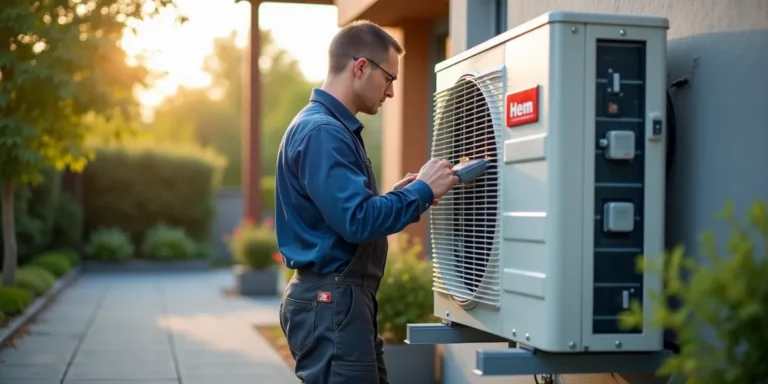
323, 209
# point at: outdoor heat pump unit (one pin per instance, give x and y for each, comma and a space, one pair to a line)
568, 111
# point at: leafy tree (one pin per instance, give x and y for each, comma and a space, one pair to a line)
59, 61
722, 317
212, 116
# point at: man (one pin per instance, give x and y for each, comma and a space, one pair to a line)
331, 223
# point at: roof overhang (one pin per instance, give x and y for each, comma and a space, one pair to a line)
390, 13
319, 2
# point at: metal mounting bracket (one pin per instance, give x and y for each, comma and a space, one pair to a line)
522, 360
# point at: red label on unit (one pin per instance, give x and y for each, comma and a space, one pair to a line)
522, 107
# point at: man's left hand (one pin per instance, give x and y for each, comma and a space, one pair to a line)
409, 178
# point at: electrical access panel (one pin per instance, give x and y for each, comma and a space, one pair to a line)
568, 113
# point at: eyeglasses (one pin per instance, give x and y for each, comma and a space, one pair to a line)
389, 75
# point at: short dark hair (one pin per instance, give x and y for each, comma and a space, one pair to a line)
361, 38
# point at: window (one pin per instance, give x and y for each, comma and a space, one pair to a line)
500, 16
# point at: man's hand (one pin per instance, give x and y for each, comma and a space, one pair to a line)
410, 177
437, 173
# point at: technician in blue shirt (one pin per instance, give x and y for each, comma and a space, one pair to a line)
332, 224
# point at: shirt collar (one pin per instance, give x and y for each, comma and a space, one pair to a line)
342, 113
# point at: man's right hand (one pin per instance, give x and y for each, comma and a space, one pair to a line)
439, 176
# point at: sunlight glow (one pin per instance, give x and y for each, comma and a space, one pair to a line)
178, 51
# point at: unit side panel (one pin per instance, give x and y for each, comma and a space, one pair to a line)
458, 264
525, 203
565, 157
621, 95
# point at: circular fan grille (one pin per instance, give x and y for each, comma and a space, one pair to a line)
465, 222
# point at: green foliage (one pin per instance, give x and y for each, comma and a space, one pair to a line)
30, 230
268, 194
204, 250
254, 246
35, 279
164, 242
110, 244
213, 117
68, 253
59, 61
55, 263
721, 323
14, 300
139, 184
43, 199
71, 51
405, 293
35, 213
67, 228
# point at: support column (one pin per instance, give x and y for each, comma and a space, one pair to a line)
470, 22
251, 121
405, 125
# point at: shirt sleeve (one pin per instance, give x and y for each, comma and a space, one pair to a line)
328, 168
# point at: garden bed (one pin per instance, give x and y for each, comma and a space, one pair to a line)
16, 324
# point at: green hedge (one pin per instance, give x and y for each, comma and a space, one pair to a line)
56, 263
136, 186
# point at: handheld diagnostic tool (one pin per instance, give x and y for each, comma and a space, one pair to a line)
469, 170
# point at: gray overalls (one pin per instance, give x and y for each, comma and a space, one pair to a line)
330, 320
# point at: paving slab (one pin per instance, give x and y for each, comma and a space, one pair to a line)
149, 328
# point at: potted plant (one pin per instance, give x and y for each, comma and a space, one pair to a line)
405, 296
721, 320
254, 248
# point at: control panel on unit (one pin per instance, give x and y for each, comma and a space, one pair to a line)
619, 180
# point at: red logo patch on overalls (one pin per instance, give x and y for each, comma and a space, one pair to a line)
324, 297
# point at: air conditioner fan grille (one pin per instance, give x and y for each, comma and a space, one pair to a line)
465, 224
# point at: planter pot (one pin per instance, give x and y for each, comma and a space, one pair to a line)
410, 363
250, 282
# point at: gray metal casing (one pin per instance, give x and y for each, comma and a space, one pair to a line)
545, 283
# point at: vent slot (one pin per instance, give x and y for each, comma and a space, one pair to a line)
465, 225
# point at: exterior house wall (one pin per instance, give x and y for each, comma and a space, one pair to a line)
722, 121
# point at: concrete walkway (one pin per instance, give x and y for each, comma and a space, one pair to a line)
158, 328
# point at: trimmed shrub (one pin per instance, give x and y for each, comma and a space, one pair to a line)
137, 185
164, 242
53, 262
109, 244
254, 246
69, 254
405, 293
204, 250
721, 318
35, 279
14, 300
